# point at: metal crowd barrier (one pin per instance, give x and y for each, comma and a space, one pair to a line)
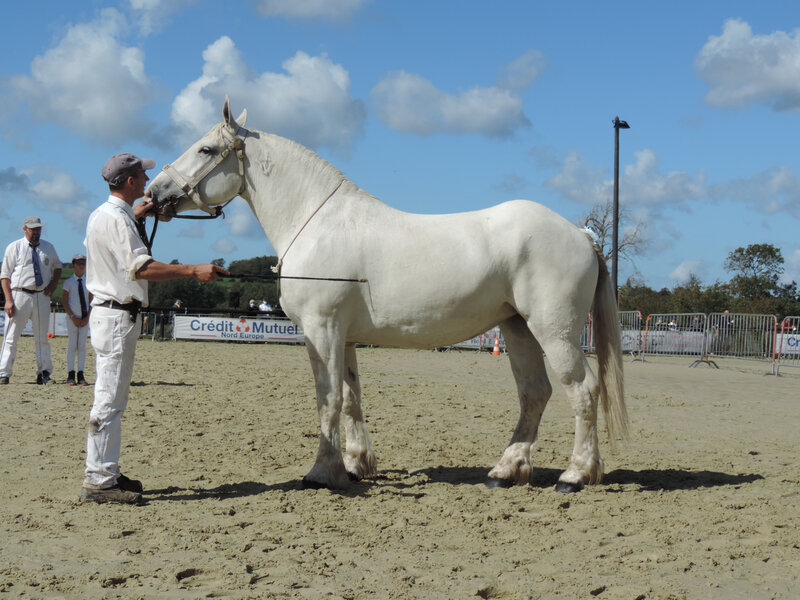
787, 344
681, 334
743, 336
632, 329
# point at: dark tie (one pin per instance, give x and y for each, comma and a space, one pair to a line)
37, 268
82, 298
142, 230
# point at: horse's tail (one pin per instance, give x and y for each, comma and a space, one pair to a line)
609, 353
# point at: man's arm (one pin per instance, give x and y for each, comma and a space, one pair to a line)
158, 271
9, 307
51, 287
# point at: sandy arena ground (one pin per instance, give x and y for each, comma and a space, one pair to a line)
704, 502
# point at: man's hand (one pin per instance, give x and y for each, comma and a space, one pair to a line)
144, 208
206, 273
10, 308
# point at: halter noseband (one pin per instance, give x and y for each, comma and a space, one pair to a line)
189, 186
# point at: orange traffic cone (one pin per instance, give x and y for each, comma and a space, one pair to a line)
496, 351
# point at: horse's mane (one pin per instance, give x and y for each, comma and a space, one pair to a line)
317, 165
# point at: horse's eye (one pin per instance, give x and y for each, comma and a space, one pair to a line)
206, 150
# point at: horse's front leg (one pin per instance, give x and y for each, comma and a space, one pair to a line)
359, 456
326, 351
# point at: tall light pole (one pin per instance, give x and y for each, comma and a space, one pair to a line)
615, 234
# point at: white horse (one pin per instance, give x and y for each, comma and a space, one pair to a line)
356, 271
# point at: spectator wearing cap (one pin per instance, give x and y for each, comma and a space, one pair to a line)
30, 272
118, 267
77, 304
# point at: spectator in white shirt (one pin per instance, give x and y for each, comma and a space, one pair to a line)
77, 304
30, 273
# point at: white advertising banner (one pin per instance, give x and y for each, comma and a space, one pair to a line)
236, 329
675, 342
788, 344
57, 324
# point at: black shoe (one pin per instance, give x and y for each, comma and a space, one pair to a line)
45, 375
81, 380
71, 378
113, 494
129, 485
3, 380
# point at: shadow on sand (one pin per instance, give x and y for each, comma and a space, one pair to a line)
646, 480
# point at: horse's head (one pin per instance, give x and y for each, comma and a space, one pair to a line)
209, 174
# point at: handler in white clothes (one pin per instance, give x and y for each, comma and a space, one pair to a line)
29, 274
119, 266
76, 300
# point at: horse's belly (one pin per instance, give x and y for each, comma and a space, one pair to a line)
428, 332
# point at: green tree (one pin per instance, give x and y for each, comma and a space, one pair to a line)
756, 268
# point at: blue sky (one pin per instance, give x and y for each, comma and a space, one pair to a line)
433, 106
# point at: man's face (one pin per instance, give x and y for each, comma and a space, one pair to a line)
80, 267
32, 234
140, 180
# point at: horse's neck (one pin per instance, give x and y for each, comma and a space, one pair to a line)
287, 191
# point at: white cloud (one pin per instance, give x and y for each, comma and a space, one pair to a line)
741, 68
775, 190
46, 189
581, 182
90, 83
682, 272
310, 104
409, 102
193, 231
520, 73
641, 184
645, 185
223, 246
153, 15
334, 10
792, 267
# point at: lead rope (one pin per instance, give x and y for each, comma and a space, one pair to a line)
277, 267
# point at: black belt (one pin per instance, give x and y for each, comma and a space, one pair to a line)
27, 291
132, 307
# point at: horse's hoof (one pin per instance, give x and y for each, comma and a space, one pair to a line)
494, 482
566, 487
310, 484
353, 476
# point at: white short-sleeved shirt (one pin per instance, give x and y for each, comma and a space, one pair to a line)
114, 253
18, 264
71, 286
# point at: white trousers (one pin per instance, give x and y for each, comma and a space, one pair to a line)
76, 345
114, 338
35, 307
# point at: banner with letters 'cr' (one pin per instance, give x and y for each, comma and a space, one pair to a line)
236, 329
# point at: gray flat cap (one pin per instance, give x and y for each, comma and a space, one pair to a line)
121, 166
32, 222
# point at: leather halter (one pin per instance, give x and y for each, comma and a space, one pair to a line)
189, 185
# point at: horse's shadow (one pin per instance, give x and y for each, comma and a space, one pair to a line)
646, 480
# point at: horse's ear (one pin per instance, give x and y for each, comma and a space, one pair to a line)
226, 111
227, 116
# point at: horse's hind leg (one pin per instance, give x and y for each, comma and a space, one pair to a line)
533, 387
583, 390
359, 456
